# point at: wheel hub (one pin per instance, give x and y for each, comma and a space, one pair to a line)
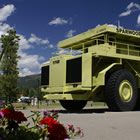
126, 91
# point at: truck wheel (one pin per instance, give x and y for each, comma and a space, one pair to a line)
121, 91
73, 105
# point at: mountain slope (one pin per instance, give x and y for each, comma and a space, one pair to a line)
31, 81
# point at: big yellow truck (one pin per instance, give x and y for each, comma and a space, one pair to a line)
103, 65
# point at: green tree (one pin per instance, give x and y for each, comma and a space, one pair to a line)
9, 69
32, 92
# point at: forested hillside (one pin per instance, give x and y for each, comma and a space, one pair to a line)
31, 81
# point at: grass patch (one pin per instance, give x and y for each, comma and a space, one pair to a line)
43, 105
19, 105
95, 104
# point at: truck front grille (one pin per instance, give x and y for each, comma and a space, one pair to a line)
74, 70
45, 75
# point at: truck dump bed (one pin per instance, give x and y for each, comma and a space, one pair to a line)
76, 41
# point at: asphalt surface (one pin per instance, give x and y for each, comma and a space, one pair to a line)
102, 124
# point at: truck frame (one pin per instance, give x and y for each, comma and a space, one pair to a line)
103, 65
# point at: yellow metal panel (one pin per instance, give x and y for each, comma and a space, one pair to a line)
87, 70
117, 31
64, 89
110, 51
100, 79
67, 96
57, 71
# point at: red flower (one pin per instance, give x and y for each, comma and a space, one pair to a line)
55, 129
71, 128
57, 132
19, 116
11, 114
49, 121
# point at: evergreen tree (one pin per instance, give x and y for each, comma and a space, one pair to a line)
9, 75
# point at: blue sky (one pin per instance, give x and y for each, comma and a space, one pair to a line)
41, 24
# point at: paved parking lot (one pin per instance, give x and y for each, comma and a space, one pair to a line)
101, 124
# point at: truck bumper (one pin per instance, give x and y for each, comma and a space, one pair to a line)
70, 88
84, 96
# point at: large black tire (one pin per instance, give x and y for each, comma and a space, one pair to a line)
121, 91
73, 105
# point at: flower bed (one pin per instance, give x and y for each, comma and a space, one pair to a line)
45, 128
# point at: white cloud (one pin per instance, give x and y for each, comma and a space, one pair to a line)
59, 21
24, 44
6, 11
68, 52
125, 13
25, 72
63, 51
4, 28
51, 46
41, 58
70, 33
132, 7
115, 25
138, 20
37, 40
112, 25
45, 41
98, 25
29, 64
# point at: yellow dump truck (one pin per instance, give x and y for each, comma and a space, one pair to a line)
103, 65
